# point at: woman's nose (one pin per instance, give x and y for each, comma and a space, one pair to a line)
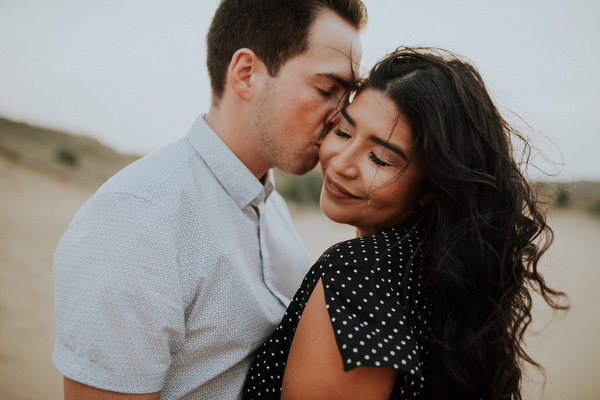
345, 164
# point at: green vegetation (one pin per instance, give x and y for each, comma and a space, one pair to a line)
302, 190
562, 196
595, 208
576, 195
581, 195
76, 157
67, 156
85, 160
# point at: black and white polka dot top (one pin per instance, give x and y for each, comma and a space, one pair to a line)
374, 321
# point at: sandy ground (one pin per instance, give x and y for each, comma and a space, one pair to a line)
35, 211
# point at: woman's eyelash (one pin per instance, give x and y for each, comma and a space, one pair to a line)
378, 160
341, 133
338, 132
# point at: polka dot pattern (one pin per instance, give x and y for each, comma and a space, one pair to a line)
367, 282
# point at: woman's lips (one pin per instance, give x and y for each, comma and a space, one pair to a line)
336, 190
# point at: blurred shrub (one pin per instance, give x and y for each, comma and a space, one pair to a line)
595, 208
562, 196
67, 156
302, 190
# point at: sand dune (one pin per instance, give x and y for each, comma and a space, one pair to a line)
34, 213
35, 209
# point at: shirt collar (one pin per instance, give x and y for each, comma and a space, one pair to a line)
232, 174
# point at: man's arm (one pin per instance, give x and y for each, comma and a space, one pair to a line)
78, 391
118, 308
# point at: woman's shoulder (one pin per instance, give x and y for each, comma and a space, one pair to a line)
383, 267
395, 243
366, 282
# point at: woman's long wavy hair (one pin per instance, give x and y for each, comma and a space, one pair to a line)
485, 232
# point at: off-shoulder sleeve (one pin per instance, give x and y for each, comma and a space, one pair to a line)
363, 288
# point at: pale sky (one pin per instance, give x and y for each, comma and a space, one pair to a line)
132, 73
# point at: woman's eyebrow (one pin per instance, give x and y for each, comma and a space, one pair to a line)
348, 118
375, 138
388, 145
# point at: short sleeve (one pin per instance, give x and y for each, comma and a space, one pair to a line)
118, 300
369, 322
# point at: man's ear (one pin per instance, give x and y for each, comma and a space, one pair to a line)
243, 68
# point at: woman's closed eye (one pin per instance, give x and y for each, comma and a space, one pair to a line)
342, 134
378, 160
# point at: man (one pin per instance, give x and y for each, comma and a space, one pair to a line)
179, 267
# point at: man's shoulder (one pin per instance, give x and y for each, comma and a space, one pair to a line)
155, 174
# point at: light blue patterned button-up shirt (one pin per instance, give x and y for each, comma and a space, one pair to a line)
168, 278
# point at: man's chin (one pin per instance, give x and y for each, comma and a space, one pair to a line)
301, 169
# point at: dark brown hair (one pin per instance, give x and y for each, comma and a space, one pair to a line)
486, 231
276, 30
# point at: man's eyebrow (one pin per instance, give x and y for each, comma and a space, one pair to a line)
388, 145
347, 117
343, 82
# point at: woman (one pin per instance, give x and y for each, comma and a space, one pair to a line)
432, 298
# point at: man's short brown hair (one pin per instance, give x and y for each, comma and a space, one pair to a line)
276, 30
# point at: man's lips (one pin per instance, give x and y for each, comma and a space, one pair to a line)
336, 190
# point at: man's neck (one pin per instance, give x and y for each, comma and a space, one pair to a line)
231, 127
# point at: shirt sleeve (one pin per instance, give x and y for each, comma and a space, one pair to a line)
118, 300
369, 322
